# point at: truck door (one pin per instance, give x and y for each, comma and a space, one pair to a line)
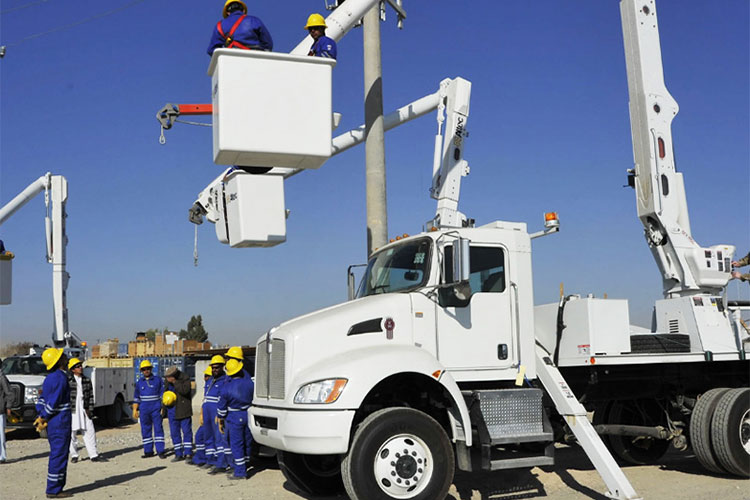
475, 334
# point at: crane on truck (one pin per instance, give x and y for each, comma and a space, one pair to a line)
442, 359
55, 189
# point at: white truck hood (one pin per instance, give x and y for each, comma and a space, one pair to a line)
27, 380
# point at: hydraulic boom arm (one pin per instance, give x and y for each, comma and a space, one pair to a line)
686, 268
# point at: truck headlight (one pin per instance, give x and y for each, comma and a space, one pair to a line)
30, 395
320, 392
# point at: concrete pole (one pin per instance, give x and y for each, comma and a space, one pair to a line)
377, 215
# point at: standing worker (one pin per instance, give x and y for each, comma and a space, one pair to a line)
6, 399
235, 399
181, 423
82, 407
147, 406
239, 31
745, 261
322, 46
199, 456
216, 440
53, 408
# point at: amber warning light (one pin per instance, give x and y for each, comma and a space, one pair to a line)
551, 220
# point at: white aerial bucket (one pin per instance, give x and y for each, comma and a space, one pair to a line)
271, 109
255, 215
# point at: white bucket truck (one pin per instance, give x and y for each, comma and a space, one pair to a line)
442, 360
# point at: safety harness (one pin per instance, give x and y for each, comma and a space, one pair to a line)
229, 41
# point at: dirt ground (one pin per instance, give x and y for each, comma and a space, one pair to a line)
127, 476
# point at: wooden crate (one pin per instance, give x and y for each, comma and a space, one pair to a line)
121, 362
98, 362
132, 348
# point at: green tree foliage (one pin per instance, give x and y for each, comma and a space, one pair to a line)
195, 330
151, 333
15, 348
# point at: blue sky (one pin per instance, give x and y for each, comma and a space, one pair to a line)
549, 131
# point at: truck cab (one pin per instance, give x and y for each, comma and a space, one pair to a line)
25, 375
437, 327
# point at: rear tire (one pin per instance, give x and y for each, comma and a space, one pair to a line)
316, 475
398, 453
115, 411
730, 431
700, 429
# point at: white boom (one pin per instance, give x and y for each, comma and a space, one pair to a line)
55, 189
687, 269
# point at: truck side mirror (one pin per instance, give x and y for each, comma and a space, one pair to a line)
461, 261
349, 284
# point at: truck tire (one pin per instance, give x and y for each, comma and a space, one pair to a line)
700, 429
115, 411
730, 431
637, 450
398, 453
316, 475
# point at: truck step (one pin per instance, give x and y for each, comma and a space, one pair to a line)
516, 463
510, 416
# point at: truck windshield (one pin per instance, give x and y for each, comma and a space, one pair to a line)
397, 269
24, 366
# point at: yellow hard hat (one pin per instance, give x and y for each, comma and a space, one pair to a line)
51, 356
218, 359
235, 353
208, 371
169, 398
73, 362
145, 364
230, 2
315, 20
233, 366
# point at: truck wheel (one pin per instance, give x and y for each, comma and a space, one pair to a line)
313, 474
114, 412
398, 453
638, 450
730, 431
700, 429
601, 416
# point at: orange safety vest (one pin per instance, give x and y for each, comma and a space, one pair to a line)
229, 41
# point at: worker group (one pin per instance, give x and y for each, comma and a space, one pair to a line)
222, 444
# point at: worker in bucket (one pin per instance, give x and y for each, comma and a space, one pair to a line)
180, 414
238, 30
217, 448
200, 458
234, 401
53, 408
147, 409
82, 409
745, 261
322, 46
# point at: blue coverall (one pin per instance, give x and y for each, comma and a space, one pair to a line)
217, 450
53, 405
181, 431
199, 457
234, 400
251, 33
323, 47
148, 392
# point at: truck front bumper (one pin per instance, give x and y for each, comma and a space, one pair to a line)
309, 432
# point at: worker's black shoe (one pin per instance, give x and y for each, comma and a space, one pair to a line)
99, 458
215, 470
189, 460
74, 460
178, 459
236, 478
162, 455
62, 494
147, 455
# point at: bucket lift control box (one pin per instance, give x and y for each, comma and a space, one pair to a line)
271, 109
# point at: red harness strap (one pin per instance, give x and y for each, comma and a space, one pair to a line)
229, 41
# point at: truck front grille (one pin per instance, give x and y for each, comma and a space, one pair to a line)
270, 374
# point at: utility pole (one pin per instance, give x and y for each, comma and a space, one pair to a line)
377, 215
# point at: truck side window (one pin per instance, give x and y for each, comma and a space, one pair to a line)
487, 273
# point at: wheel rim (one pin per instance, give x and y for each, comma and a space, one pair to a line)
403, 466
745, 431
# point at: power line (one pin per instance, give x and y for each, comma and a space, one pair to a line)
74, 24
24, 6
